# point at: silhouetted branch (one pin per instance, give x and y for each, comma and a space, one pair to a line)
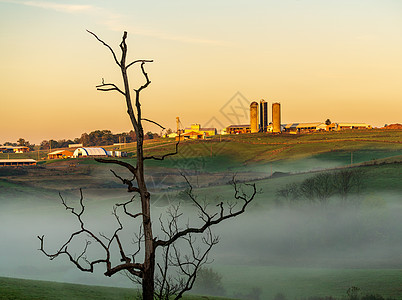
130, 167
104, 87
210, 220
185, 260
125, 208
190, 265
106, 45
133, 268
165, 155
139, 60
129, 183
144, 86
148, 120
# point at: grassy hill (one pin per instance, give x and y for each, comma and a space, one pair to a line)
22, 289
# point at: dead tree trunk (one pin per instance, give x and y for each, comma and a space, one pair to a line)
138, 172
144, 272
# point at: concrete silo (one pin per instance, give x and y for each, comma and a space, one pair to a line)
276, 117
263, 116
254, 117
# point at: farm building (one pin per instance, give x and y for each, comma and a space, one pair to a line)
235, 129
345, 126
15, 149
60, 154
303, 127
198, 129
17, 162
192, 135
94, 152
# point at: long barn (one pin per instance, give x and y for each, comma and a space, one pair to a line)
17, 162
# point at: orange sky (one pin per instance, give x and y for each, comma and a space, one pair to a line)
321, 59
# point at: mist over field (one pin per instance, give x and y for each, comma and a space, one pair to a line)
363, 233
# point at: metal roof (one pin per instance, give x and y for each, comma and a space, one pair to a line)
238, 126
18, 160
98, 151
301, 125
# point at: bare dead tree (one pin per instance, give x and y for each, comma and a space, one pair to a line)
145, 244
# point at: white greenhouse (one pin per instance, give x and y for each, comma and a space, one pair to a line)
84, 152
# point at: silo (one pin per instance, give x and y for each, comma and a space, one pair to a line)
254, 117
276, 117
263, 116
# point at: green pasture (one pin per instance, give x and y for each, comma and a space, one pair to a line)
233, 151
22, 289
299, 283
293, 283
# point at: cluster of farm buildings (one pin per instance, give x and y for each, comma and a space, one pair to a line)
58, 154
259, 122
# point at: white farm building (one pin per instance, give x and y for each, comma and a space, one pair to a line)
84, 152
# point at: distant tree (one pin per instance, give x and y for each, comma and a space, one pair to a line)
149, 135
10, 144
53, 144
346, 181
353, 293
44, 145
327, 122
209, 282
84, 140
22, 142
169, 131
323, 186
307, 189
290, 192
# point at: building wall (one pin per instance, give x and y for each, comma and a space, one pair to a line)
238, 129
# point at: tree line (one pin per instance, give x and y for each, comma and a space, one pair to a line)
94, 138
322, 186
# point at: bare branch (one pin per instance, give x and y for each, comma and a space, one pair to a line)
128, 166
110, 48
139, 60
145, 85
129, 183
104, 87
125, 208
165, 155
134, 268
148, 120
210, 220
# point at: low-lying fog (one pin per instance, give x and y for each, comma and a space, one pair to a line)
368, 236
365, 235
